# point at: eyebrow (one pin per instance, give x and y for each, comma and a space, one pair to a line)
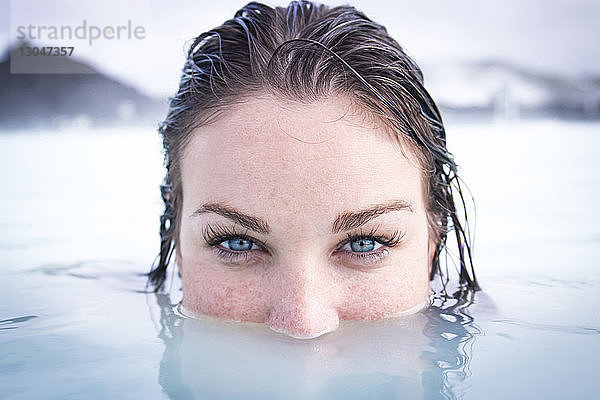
247, 221
343, 222
351, 220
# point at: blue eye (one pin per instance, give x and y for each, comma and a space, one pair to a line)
238, 244
362, 245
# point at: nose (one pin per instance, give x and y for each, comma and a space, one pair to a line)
302, 306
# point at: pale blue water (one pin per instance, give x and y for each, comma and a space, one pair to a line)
78, 223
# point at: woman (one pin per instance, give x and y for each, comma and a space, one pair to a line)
308, 179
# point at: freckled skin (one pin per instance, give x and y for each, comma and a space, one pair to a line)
297, 166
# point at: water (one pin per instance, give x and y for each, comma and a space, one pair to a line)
78, 218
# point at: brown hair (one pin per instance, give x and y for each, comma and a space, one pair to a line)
306, 51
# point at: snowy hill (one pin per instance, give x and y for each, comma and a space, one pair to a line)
503, 90
41, 100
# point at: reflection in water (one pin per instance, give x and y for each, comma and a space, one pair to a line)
425, 355
451, 330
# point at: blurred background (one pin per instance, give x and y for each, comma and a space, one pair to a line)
512, 59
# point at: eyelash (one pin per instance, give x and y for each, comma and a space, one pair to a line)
213, 236
372, 256
218, 234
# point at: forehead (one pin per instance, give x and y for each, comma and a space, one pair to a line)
327, 152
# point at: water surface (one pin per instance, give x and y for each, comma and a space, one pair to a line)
78, 218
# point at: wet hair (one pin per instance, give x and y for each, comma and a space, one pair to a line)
307, 51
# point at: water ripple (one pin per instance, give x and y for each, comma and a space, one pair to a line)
5, 323
578, 330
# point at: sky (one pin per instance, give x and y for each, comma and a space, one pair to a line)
552, 36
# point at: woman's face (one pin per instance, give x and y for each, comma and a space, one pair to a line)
299, 215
